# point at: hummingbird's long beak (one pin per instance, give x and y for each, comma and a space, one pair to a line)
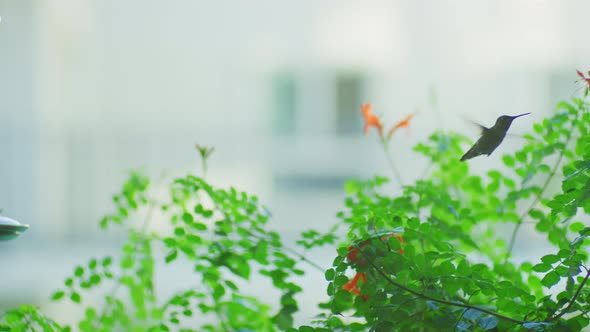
518, 116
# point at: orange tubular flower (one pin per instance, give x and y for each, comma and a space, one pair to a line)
405, 123
371, 119
351, 286
352, 256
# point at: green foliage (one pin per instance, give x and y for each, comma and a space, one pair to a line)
455, 272
222, 233
28, 318
434, 255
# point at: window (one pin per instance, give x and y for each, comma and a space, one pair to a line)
348, 94
284, 97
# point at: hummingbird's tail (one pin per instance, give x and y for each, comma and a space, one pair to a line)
469, 154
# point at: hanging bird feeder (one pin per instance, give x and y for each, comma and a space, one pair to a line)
10, 228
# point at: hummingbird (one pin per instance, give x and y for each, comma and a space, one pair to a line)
491, 137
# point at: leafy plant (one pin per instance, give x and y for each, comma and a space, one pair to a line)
456, 271
433, 256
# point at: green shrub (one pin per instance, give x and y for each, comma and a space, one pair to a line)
429, 258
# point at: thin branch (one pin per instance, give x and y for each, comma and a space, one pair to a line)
294, 252
115, 288
107, 305
396, 172
572, 301
219, 315
305, 259
434, 299
540, 194
526, 213
462, 313
426, 170
204, 165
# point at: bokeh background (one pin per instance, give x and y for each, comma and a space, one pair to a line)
92, 89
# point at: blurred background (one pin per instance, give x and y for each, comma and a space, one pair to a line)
92, 89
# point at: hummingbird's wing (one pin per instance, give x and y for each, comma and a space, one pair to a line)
481, 127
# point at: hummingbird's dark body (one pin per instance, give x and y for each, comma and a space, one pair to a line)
490, 137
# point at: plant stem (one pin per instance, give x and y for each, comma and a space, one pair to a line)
426, 170
296, 253
540, 194
572, 301
527, 211
219, 315
204, 163
305, 259
396, 172
115, 288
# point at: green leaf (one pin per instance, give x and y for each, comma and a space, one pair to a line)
343, 251
495, 175
199, 226
542, 267
127, 263
218, 292
171, 256
75, 297
179, 231
550, 279
330, 274
493, 187
536, 214
526, 267
564, 253
107, 261
549, 259
384, 326
79, 271
508, 160
95, 279
231, 285
394, 243
306, 328
463, 268
447, 268
283, 320
576, 226
57, 295
585, 231
187, 217
544, 168
509, 183
194, 239
170, 242
521, 156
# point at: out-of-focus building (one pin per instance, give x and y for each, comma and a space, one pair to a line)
90, 89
